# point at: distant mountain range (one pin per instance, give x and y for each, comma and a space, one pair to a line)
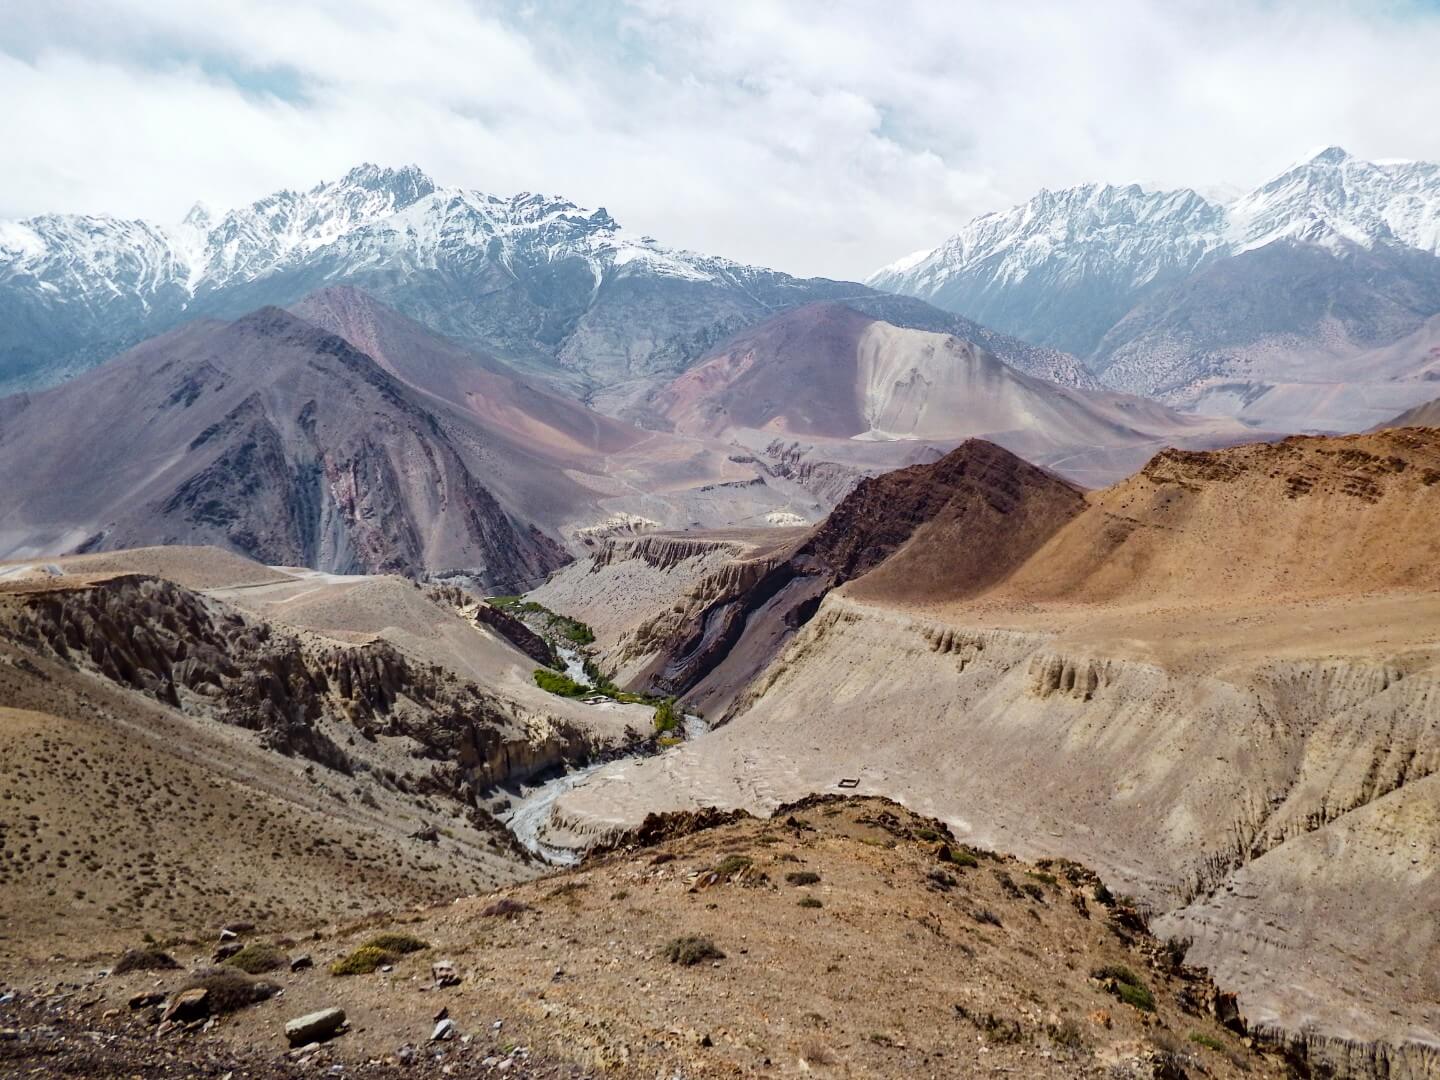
534, 280
830, 377
1308, 303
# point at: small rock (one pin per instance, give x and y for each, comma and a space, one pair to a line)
146, 998
109, 1014
314, 1027
228, 935
238, 927
705, 1040
442, 1014
444, 973
229, 949
444, 1030
188, 1005
9, 1034
301, 962
405, 1055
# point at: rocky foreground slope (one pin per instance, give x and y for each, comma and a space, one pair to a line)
843, 937
1215, 682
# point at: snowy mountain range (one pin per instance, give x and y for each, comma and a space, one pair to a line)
534, 280
1267, 307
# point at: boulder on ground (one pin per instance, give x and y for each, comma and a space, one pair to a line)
314, 1027
188, 1005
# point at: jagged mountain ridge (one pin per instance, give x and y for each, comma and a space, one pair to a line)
1341, 250
534, 279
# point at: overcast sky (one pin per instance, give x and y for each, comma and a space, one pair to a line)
822, 137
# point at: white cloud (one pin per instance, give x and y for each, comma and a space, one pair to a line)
820, 137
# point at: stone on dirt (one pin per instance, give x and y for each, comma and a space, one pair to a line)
314, 1027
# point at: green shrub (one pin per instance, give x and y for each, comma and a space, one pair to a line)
692, 949
732, 865
667, 716
362, 961
1136, 996
1207, 1041
956, 856
557, 682
802, 877
397, 944
1127, 986
810, 902
256, 959
927, 835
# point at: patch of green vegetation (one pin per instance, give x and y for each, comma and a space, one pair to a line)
957, 856
667, 741
559, 683
256, 959
1207, 1041
1137, 996
1126, 986
692, 949
802, 877
398, 944
555, 625
731, 865
362, 961
1041, 875
667, 717
927, 835
810, 902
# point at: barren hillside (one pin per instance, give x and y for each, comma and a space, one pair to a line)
842, 938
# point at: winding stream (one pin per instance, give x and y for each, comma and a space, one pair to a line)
526, 818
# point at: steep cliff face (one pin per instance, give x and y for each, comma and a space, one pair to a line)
304, 694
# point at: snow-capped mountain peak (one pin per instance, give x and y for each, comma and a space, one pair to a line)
1065, 265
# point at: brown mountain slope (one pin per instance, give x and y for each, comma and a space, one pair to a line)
827, 372
1306, 516
271, 437
959, 525
1426, 415
537, 420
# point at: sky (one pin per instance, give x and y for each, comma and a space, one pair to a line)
815, 136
